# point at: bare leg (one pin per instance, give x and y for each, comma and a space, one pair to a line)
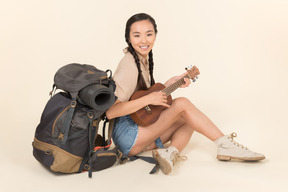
181, 108
179, 134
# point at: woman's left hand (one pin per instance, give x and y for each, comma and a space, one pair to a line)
187, 83
176, 78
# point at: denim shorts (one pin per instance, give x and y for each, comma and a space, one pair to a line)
125, 134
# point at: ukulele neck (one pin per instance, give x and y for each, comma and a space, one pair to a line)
175, 85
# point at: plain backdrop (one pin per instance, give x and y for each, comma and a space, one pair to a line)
240, 47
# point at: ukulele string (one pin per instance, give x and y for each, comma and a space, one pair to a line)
174, 86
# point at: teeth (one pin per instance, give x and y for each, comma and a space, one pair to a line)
144, 47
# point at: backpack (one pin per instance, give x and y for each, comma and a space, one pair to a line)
66, 139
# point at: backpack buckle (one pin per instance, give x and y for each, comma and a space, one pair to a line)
60, 137
87, 167
73, 104
90, 115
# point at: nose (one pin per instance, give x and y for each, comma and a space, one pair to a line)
143, 40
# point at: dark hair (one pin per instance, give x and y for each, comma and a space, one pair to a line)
140, 17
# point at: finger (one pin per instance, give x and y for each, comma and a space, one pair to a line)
164, 96
187, 81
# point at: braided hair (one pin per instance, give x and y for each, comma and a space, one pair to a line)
141, 85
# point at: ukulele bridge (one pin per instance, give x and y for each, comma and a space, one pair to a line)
148, 109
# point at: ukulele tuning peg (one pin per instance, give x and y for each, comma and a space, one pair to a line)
194, 80
189, 67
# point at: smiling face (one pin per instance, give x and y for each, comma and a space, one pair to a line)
142, 37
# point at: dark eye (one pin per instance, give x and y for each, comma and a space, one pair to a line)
136, 35
149, 34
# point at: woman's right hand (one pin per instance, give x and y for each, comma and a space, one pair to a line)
157, 98
119, 108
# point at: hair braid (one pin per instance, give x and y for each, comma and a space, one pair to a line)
140, 81
151, 67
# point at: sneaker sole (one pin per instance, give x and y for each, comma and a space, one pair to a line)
164, 165
228, 158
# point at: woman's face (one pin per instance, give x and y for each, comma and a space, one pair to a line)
142, 37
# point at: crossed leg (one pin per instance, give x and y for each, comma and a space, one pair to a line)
176, 124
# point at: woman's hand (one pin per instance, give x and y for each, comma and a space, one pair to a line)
119, 108
176, 78
187, 83
157, 98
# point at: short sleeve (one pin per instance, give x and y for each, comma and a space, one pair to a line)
125, 77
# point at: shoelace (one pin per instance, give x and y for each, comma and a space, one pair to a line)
175, 156
234, 135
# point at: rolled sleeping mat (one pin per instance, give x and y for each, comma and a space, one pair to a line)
98, 97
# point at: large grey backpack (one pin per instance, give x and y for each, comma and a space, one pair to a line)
66, 139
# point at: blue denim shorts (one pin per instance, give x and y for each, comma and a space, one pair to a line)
125, 134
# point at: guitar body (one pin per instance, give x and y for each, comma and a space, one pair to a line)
149, 114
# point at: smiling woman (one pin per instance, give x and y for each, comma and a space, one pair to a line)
176, 122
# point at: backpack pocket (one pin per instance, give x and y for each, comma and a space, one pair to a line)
45, 157
103, 159
58, 160
78, 140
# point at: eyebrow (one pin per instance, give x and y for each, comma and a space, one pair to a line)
139, 32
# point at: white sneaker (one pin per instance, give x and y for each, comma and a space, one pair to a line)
166, 158
229, 149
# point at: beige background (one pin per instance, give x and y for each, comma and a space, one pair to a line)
240, 48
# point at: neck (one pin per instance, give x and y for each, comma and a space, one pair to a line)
142, 56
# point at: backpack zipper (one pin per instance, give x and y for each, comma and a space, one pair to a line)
58, 117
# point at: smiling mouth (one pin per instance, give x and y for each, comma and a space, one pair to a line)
144, 47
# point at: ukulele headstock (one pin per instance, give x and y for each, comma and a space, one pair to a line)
193, 72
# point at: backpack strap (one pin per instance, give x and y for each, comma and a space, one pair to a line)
144, 158
92, 132
110, 129
53, 90
93, 129
110, 76
66, 126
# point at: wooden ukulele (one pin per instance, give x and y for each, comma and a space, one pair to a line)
150, 114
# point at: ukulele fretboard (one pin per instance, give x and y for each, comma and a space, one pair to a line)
175, 85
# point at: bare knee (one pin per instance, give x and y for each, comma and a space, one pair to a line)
182, 103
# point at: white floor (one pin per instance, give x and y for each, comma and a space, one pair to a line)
200, 172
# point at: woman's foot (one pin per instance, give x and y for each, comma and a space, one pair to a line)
229, 149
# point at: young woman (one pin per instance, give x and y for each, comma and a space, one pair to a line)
176, 123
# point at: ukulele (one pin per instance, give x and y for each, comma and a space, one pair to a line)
150, 114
